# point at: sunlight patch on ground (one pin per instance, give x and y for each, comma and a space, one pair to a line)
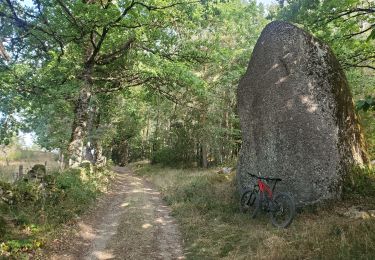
103, 255
160, 221
125, 204
146, 226
86, 231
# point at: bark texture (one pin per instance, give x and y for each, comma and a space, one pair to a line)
79, 126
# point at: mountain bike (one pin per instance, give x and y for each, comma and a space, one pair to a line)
280, 206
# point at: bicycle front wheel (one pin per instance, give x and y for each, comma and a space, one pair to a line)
283, 210
249, 202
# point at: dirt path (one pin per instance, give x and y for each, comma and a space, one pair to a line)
130, 222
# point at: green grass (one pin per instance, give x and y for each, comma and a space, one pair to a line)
32, 213
367, 120
206, 207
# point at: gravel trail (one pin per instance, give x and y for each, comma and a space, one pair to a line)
129, 222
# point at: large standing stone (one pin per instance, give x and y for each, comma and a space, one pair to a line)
297, 116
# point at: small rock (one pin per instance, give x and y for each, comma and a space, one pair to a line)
372, 213
225, 170
355, 213
361, 215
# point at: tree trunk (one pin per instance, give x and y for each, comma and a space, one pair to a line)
124, 153
156, 143
145, 140
96, 145
99, 158
203, 142
20, 173
204, 156
5, 154
88, 152
61, 161
92, 126
225, 138
3, 53
75, 147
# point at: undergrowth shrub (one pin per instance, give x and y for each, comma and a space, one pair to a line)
360, 181
173, 157
165, 156
40, 205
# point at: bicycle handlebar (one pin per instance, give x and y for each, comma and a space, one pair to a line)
264, 178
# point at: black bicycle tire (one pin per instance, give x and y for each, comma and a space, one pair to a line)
243, 200
289, 202
253, 207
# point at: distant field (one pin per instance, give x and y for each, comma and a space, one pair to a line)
26, 158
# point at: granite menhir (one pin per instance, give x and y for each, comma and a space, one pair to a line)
297, 117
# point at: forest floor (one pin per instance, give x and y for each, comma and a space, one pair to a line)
129, 222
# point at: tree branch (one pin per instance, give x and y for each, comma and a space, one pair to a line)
153, 8
136, 81
350, 35
351, 11
349, 65
108, 58
3, 52
72, 19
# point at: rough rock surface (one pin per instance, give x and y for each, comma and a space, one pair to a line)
297, 116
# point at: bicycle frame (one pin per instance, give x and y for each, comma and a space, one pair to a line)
280, 205
265, 188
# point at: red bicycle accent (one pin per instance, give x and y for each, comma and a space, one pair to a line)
265, 188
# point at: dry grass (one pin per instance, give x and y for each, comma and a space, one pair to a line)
206, 206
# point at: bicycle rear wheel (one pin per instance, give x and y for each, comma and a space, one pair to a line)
282, 209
